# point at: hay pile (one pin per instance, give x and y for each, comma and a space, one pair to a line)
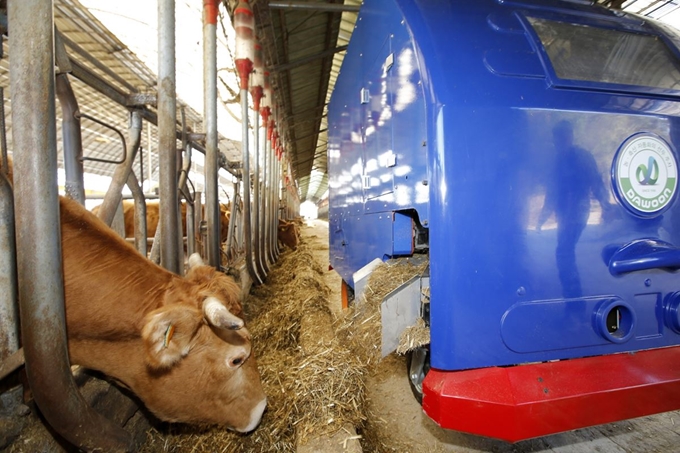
361, 327
413, 337
311, 390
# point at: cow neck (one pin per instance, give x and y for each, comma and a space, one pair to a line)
121, 360
108, 285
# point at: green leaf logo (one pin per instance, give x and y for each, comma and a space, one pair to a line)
647, 175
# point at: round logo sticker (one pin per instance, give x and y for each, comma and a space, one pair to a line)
646, 174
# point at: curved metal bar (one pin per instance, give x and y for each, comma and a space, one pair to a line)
257, 231
246, 191
273, 220
140, 212
277, 202
232, 221
114, 129
182, 184
270, 208
266, 217
155, 253
9, 310
120, 176
39, 262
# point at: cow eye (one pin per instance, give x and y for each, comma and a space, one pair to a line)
237, 361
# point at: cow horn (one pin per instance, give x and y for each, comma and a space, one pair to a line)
195, 260
219, 316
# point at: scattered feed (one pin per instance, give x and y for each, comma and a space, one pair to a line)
315, 390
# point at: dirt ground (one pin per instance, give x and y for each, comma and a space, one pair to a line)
396, 422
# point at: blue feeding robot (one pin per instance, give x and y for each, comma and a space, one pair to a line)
528, 150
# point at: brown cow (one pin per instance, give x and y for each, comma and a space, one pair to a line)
153, 214
288, 234
177, 343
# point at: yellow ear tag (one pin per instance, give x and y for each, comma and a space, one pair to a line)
168, 335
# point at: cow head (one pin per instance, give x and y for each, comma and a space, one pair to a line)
288, 234
199, 357
225, 216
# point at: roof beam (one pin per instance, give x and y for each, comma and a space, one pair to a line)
307, 59
315, 6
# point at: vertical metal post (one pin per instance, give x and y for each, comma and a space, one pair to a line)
167, 144
73, 141
189, 203
190, 222
9, 310
113, 196
149, 144
257, 231
277, 200
3, 130
212, 214
265, 220
39, 262
274, 224
198, 218
246, 190
232, 220
273, 221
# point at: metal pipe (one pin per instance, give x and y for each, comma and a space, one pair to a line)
114, 129
264, 226
257, 236
212, 212
167, 147
155, 253
277, 200
315, 6
3, 130
190, 222
198, 218
72, 139
188, 218
39, 263
9, 310
272, 226
270, 200
252, 271
232, 220
111, 202
272, 217
140, 212
178, 219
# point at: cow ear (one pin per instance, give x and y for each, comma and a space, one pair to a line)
168, 333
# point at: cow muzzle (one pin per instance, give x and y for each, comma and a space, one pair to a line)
255, 416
